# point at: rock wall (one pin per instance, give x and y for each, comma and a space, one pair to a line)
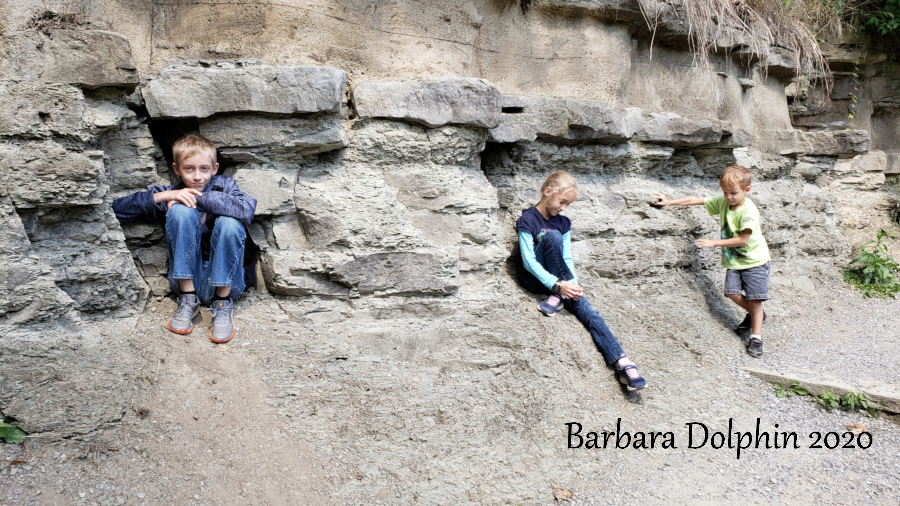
395, 171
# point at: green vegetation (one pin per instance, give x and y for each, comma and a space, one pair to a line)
895, 207
791, 390
11, 433
854, 399
828, 400
876, 273
881, 17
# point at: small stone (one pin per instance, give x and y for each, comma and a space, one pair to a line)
141, 495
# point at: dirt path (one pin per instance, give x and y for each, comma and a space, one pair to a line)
465, 400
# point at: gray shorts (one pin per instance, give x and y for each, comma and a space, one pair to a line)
753, 282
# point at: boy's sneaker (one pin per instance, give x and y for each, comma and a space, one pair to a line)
188, 307
747, 323
630, 377
222, 322
755, 347
553, 304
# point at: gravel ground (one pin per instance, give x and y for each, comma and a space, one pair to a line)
447, 401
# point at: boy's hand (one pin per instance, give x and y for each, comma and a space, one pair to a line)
186, 196
570, 290
661, 200
706, 243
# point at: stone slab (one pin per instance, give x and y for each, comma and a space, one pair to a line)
47, 175
406, 273
885, 397
197, 91
431, 101
531, 118
272, 189
303, 135
38, 110
834, 143
60, 57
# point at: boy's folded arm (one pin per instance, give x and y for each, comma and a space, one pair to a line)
526, 247
234, 204
140, 204
567, 256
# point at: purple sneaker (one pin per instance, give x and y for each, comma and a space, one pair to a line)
630, 377
553, 304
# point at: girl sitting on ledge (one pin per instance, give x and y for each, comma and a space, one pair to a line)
545, 243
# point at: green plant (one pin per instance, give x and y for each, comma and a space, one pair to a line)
853, 399
876, 273
791, 390
11, 433
895, 205
883, 18
828, 400
854, 99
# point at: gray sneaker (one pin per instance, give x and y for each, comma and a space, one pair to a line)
222, 322
188, 307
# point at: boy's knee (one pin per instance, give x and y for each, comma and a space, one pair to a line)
735, 296
181, 212
227, 227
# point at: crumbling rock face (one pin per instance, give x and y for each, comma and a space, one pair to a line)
67, 141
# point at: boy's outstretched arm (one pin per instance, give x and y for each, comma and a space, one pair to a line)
661, 200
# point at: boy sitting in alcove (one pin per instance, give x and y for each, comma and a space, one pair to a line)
205, 218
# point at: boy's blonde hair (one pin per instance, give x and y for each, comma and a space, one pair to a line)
193, 144
735, 175
558, 182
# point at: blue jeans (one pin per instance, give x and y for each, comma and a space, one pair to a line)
549, 252
226, 255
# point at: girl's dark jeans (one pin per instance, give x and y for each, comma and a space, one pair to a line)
551, 257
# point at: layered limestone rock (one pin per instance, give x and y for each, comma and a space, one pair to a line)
432, 102
199, 91
88, 58
67, 140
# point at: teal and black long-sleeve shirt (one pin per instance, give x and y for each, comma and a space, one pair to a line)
531, 227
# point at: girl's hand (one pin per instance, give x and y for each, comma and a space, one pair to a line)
186, 196
705, 243
570, 290
661, 199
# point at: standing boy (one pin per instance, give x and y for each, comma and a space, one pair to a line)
205, 217
745, 254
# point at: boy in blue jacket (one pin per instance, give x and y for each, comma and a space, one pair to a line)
205, 218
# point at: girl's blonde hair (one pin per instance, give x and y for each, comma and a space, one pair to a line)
558, 182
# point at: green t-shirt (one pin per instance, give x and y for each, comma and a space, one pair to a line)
756, 252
